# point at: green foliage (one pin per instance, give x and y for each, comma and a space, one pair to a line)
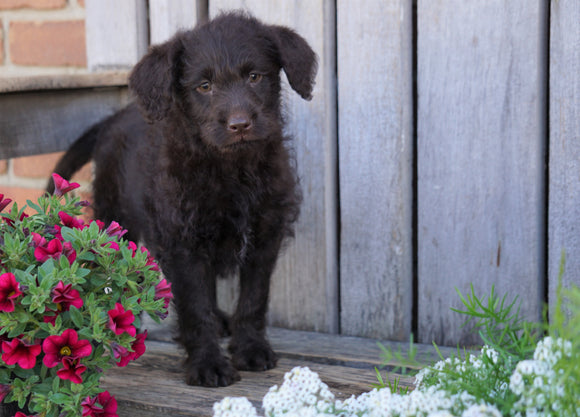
58, 274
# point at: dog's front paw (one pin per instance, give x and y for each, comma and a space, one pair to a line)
210, 372
253, 356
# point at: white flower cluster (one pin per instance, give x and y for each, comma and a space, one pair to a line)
234, 407
303, 394
470, 369
430, 402
536, 381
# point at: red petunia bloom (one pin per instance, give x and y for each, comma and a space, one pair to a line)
115, 229
65, 296
38, 240
150, 261
9, 291
163, 291
121, 321
137, 347
72, 370
18, 352
10, 222
21, 414
70, 221
4, 202
103, 405
62, 186
67, 345
55, 249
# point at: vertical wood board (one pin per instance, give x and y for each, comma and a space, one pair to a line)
116, 33
305, 286
375, 103
481, 157
564, 204
166, 18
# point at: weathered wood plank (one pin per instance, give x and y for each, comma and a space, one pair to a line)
116, 33
304, 291
154, 385
481, 156
166, 17
375, 106
564, 205
68, 81
49, 121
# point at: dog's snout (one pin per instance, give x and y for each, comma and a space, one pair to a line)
239, 123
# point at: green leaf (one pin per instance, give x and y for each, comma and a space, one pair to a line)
68, 234
59, 398
76, 317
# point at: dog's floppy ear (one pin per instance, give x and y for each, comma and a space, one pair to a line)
298, 60
155, 77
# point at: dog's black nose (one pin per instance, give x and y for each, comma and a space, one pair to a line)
239, 123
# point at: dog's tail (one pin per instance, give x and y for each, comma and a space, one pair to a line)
77, 156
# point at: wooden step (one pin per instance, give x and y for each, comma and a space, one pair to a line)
154, 385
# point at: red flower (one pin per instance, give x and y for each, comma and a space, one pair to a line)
18, 352
4, 202
113, 245
64, 296
137, 347
115, 229
10, 222
67, 345
62, 186
72, 370
54, 249
103, 405
163, 291
9, 291
21, 414
70, 221
38, 240
150, 261
121, 321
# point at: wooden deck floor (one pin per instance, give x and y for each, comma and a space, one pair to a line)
154, 385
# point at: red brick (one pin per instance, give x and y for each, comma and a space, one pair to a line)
19, 195
48, 43
3, 167
32, 4
41, 166
81, 3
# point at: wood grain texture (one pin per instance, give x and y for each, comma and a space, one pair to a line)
481, 156
154, 386
564, 204
376, 167
69, 81
304, 292
49, 121
166, 17
116, 33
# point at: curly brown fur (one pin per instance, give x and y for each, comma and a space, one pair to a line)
199, 170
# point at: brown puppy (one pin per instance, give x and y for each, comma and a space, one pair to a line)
199, 170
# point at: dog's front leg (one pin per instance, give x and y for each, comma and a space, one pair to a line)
199, 325
249, 348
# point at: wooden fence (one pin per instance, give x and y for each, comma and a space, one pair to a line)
441, 149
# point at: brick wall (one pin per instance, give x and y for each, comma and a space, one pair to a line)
39, 37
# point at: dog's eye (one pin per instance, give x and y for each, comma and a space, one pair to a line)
255, 77
204, 87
